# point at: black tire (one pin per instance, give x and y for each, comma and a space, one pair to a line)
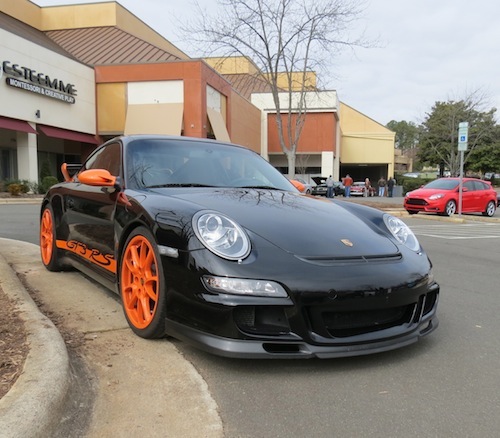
490, 209
48, 249
142, 285
412, 211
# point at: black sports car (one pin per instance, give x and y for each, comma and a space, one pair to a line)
205, 242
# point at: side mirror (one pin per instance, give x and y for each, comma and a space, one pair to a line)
97, 177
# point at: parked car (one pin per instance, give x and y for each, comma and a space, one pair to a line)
442, 196
358, 188
490, 175
411, 175
204, 241
320, 188
303, 186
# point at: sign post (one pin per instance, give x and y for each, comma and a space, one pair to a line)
463, 134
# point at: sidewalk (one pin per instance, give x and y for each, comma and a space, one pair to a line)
132, 386
33, 405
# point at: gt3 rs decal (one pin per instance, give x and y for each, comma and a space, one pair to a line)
106, 261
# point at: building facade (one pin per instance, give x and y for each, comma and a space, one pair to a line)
74, 76
48, 103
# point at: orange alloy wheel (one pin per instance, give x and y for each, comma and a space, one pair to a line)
140, 283
47, 237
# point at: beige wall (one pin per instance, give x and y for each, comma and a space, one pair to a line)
112, 106
22, 10
232, 65
297, 80
245, 123
364, 141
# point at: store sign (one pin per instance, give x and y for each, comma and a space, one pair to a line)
30, 80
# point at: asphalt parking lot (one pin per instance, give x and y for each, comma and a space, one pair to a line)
447, 385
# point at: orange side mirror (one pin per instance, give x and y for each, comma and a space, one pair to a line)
97, 177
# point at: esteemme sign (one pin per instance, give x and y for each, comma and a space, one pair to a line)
30, 80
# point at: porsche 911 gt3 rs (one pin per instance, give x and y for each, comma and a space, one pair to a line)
204, 241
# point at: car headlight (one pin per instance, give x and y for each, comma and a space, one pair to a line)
221, 235
401, 232
243, 286
436, 196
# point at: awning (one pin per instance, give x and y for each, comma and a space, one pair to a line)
155, 118
65, 134
16, 125
218, 125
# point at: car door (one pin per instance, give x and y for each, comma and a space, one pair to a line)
470, 197
90, 212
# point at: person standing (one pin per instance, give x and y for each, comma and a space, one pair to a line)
390, 186
347, 185
367, 187
329, 187
381, 186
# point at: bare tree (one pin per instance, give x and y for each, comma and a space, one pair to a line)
287, 40
302, 162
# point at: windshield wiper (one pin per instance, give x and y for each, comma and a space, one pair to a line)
158, 186
259, 187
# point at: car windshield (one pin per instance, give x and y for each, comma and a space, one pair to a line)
151, 163
442, 184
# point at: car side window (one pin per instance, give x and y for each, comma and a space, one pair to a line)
108, 158
481, 185
469, 185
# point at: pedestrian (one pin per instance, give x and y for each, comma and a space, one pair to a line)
368, 187
381, 186
329, 187
390, 186
347, 186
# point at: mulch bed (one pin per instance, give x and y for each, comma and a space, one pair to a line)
13, 344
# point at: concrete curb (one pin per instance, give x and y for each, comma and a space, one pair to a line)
33, 405
37, 200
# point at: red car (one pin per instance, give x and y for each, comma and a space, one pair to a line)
442, 196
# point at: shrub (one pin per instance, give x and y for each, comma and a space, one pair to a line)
45, 169
410, 184
15, 189
47, 183
19, 187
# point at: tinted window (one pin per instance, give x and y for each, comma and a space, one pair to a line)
182, 163
443, 184
107, 157
481, 185
470, 185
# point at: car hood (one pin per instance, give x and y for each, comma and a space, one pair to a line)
298, 224
426, 193
319, 179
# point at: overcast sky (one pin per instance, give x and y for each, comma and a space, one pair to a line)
428, 51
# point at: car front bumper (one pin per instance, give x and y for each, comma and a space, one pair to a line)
417, 204
295, 349
322, 323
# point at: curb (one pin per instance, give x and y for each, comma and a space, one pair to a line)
33, 405
20, 200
